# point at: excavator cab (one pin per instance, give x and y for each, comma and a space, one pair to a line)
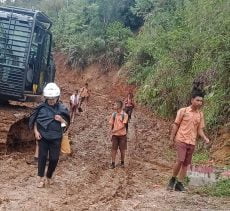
26, 62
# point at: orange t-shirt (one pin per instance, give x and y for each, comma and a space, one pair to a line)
84, 92
189, 122
119, 122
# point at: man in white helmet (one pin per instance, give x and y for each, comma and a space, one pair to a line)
47, 121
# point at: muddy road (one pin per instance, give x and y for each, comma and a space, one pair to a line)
84, 181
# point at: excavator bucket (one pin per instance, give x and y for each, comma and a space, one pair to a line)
14, 131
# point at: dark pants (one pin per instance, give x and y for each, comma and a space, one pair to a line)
53, 148
82, 99
119, 142
128, 110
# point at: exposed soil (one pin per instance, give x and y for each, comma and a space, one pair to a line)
221, 147
84, 181
14, 126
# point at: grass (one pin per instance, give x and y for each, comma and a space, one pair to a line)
169, 154
200, 157
186, 180
218, 189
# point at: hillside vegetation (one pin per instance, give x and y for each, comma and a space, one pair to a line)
178, 44
165, 46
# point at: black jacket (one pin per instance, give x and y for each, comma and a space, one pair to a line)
44, 114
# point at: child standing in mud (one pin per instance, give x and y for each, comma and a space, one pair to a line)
74, 104
47, 121
118, 122
188, 124
84, 95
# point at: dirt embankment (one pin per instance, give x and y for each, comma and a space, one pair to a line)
14, 130
84, 181
221, 147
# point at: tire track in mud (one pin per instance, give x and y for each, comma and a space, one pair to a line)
104, 187
104, 184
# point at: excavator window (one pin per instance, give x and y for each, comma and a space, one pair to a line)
37, 72
25, 44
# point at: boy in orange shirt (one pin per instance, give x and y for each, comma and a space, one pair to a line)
188, 124
84, 94
118, 122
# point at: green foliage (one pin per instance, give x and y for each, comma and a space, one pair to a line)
186, 181
143, 7
182, 40
92, 31
118, 10
117, 32
22, 3
89, 30
219, 189
200, 157
116, 38
52, 8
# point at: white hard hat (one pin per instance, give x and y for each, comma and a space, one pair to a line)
51, 90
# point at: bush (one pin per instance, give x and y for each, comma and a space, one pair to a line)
219, 189
180, 43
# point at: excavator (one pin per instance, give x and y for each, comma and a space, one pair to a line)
26, 66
